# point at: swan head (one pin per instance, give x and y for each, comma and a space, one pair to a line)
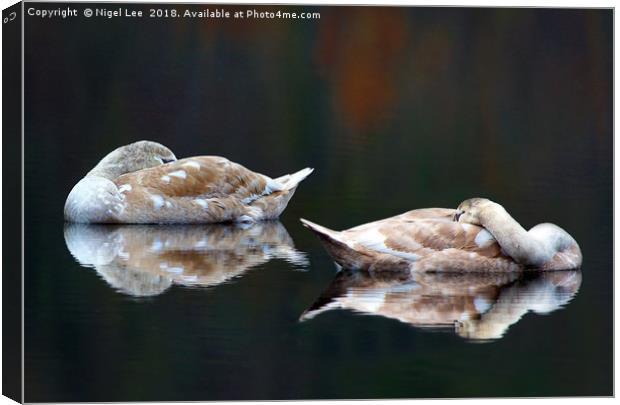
470, 211
133, 157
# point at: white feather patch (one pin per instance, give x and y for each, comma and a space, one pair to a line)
158, 201
165, 179
202, 202
178, 173
193, 164
124, 187
272, 186
483, 238
373, 239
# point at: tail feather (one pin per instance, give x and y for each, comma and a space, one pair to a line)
290, 181
337, 248
320, 230
355, 257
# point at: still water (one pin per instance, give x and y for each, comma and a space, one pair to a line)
395, 109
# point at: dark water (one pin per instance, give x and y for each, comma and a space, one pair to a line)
395, 109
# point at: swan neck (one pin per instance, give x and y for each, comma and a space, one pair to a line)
496, 220
514, 240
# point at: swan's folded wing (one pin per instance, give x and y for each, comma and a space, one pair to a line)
417, 237
208, 176
443, 214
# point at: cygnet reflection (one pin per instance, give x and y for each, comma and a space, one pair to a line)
145, 260
476, 306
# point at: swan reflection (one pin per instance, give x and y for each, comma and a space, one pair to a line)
476, 306
144, 260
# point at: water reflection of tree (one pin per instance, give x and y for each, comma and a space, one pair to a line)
422, 88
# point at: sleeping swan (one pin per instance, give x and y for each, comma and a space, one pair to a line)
143, 182
479, 236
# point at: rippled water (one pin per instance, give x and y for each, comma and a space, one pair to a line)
395, 111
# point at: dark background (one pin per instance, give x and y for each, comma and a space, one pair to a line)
395, 108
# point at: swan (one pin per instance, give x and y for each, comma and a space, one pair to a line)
143, 182
479, 236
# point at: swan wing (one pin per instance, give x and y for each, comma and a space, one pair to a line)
420, 233
205, 176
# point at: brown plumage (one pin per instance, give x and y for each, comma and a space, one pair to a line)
421, 240
144, 183
201, 189
479, 236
